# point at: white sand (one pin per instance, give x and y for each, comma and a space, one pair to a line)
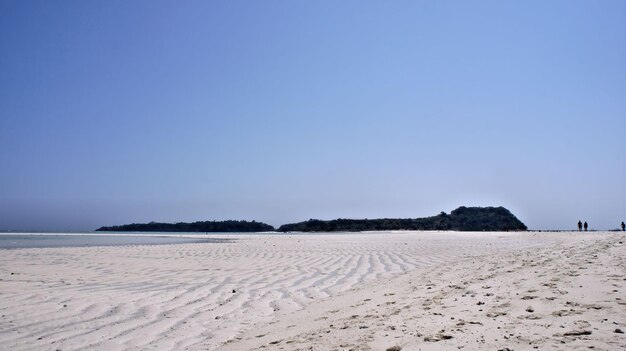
322, 292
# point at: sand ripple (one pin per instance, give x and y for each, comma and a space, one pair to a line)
170, 297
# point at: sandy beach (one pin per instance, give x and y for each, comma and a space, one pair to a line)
366, 291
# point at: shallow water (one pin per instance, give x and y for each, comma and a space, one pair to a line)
19, 241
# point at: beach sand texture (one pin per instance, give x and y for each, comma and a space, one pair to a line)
321, 292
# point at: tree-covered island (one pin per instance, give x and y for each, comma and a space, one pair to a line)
461, 219
206, 226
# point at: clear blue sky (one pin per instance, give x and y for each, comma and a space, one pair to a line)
114, 112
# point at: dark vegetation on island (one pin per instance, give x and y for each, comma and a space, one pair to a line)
212, 226
461, 219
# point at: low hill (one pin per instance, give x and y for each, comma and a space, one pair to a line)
212, 226
461, 219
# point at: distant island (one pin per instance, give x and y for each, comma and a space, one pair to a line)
461, 219
206, 226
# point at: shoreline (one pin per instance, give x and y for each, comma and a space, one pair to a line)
54, 240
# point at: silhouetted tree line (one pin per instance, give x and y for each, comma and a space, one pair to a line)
461, 219
213, 226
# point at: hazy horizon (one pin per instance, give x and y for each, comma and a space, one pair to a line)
276, 225
116, 112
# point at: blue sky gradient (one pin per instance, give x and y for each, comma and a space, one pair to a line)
114, 112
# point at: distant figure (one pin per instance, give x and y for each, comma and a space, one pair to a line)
580, 226
623, 226
586, 226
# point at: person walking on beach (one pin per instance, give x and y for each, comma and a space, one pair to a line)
623, 226
586, 226
580, 226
